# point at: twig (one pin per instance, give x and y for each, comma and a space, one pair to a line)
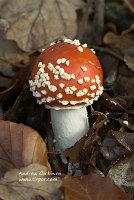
12, 110
131, 28
84, 21
105, 50
10, 88
129, 5
98, 20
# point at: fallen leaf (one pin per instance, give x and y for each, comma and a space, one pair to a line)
126, 139
126, 123
121, 89
100, 121
73, 153
20, 146
89, 151
10, 53
110, 68
7, 69
129, 58
38, 22
116, 13
5, 82
76, 3
29, 182
125, 71
86, 144
123, 173
125, 42
111, 149
122, 42
116, 103
92, 187
109, 26
111, 38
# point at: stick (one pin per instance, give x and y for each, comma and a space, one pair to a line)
99, 6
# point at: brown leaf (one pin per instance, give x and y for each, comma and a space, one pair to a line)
122, 42
122, 173
126, 41
121, 89
129, 58
20, 146
6, 69
110, 67
111, 38
86, 144
28, 183
73, 153
92, 187
125, 71
76, 3
5, 82
111, 149
125, 139
10, 53
126, 123
116, 103
38, 22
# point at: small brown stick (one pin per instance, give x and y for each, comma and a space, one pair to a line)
99, 6
131, 28
12, 110
84, 21
129, 5
105, 50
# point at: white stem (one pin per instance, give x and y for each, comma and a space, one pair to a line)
69, 126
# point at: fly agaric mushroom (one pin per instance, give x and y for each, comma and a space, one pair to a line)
67, 77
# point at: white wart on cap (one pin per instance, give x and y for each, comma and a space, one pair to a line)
67, 75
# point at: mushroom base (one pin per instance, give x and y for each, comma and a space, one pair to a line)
69, 126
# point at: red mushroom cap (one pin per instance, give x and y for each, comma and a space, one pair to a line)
67, 74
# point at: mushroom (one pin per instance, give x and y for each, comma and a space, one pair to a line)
66, 78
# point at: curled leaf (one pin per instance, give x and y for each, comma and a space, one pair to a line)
20, 146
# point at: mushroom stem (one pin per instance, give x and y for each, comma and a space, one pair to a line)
69, 126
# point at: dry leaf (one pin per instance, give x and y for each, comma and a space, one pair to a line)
29, 182
111, 38
76, 3
73, 153
111, 149
129, 58
5, 82
121, 89
6, 69
92, 187
123, 173
38, 22
10, 53
116, 103
126, 123
125, 139
126, 41
110, 68
20, 146
85, 145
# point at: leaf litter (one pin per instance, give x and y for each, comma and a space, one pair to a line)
108, 145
